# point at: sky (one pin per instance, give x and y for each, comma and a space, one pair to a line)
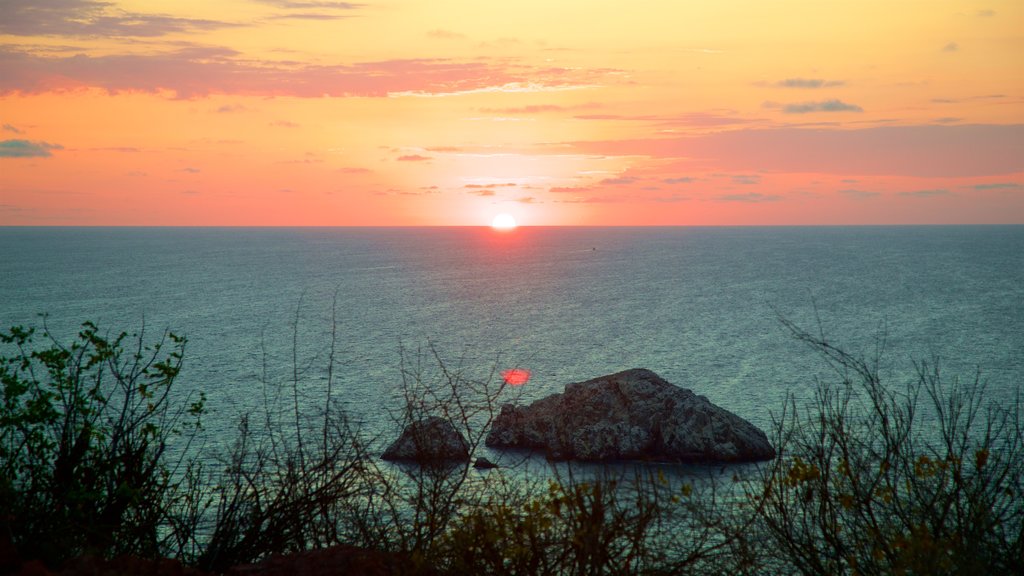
558, 112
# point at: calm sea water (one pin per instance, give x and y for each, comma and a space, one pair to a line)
699, 306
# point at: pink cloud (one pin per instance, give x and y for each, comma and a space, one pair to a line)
923, 150
199, 71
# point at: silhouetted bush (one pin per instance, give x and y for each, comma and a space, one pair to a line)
864, 484
84, 432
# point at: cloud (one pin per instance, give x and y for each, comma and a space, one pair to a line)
808, 83
91, 18
284, 124
924, 193
230, 108
958, 150
484, 192
749, 197
26, 149
533, 109
620, 181
998, 186
301, 10
10, 128
947, 120
539, 108
985, 13
746, 179
688, 119
527, 200
122, 149
568, 189
194, 71
951, 47
307, 16
823, 106
679, 180
307, 4
858, 193
354, 170
445, 34
191, 170
503, 185
413, 158
968, 99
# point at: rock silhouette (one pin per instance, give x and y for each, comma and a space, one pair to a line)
430, 440
629, 415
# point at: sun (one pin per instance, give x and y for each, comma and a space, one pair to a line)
503, 221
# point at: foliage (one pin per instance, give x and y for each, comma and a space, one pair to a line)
861, 488
84, 436
862, 484
290, 480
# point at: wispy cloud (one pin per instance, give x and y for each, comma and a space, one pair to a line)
308, 16
307, 4
202, 70
854, 193
568, 189
10, 128
445, 34
486, 186
230, 108
745, 179
957, 150
679, 180
998, 186
951, 47
26, 149
619, 181
532, 109
695, 119
311, 10
749, 197
924, 193
968, 99
822, 106
413, 158
808, 83
91, 18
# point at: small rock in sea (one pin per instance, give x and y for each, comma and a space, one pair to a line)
630, 415
428, 441
483, 463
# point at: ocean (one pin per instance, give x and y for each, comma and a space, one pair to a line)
699, 306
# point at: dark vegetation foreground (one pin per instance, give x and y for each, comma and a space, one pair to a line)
99, 475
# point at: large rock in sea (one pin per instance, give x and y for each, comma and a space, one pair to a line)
630, 415
431, 440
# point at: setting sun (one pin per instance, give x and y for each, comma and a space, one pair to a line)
503, 221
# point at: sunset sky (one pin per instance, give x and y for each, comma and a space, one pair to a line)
447, 112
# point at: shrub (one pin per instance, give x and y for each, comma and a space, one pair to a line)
860, 487
84, 434
294, 477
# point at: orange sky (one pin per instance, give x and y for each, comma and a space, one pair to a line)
579, 112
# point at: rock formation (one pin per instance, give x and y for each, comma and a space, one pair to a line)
431, 440
630, 415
